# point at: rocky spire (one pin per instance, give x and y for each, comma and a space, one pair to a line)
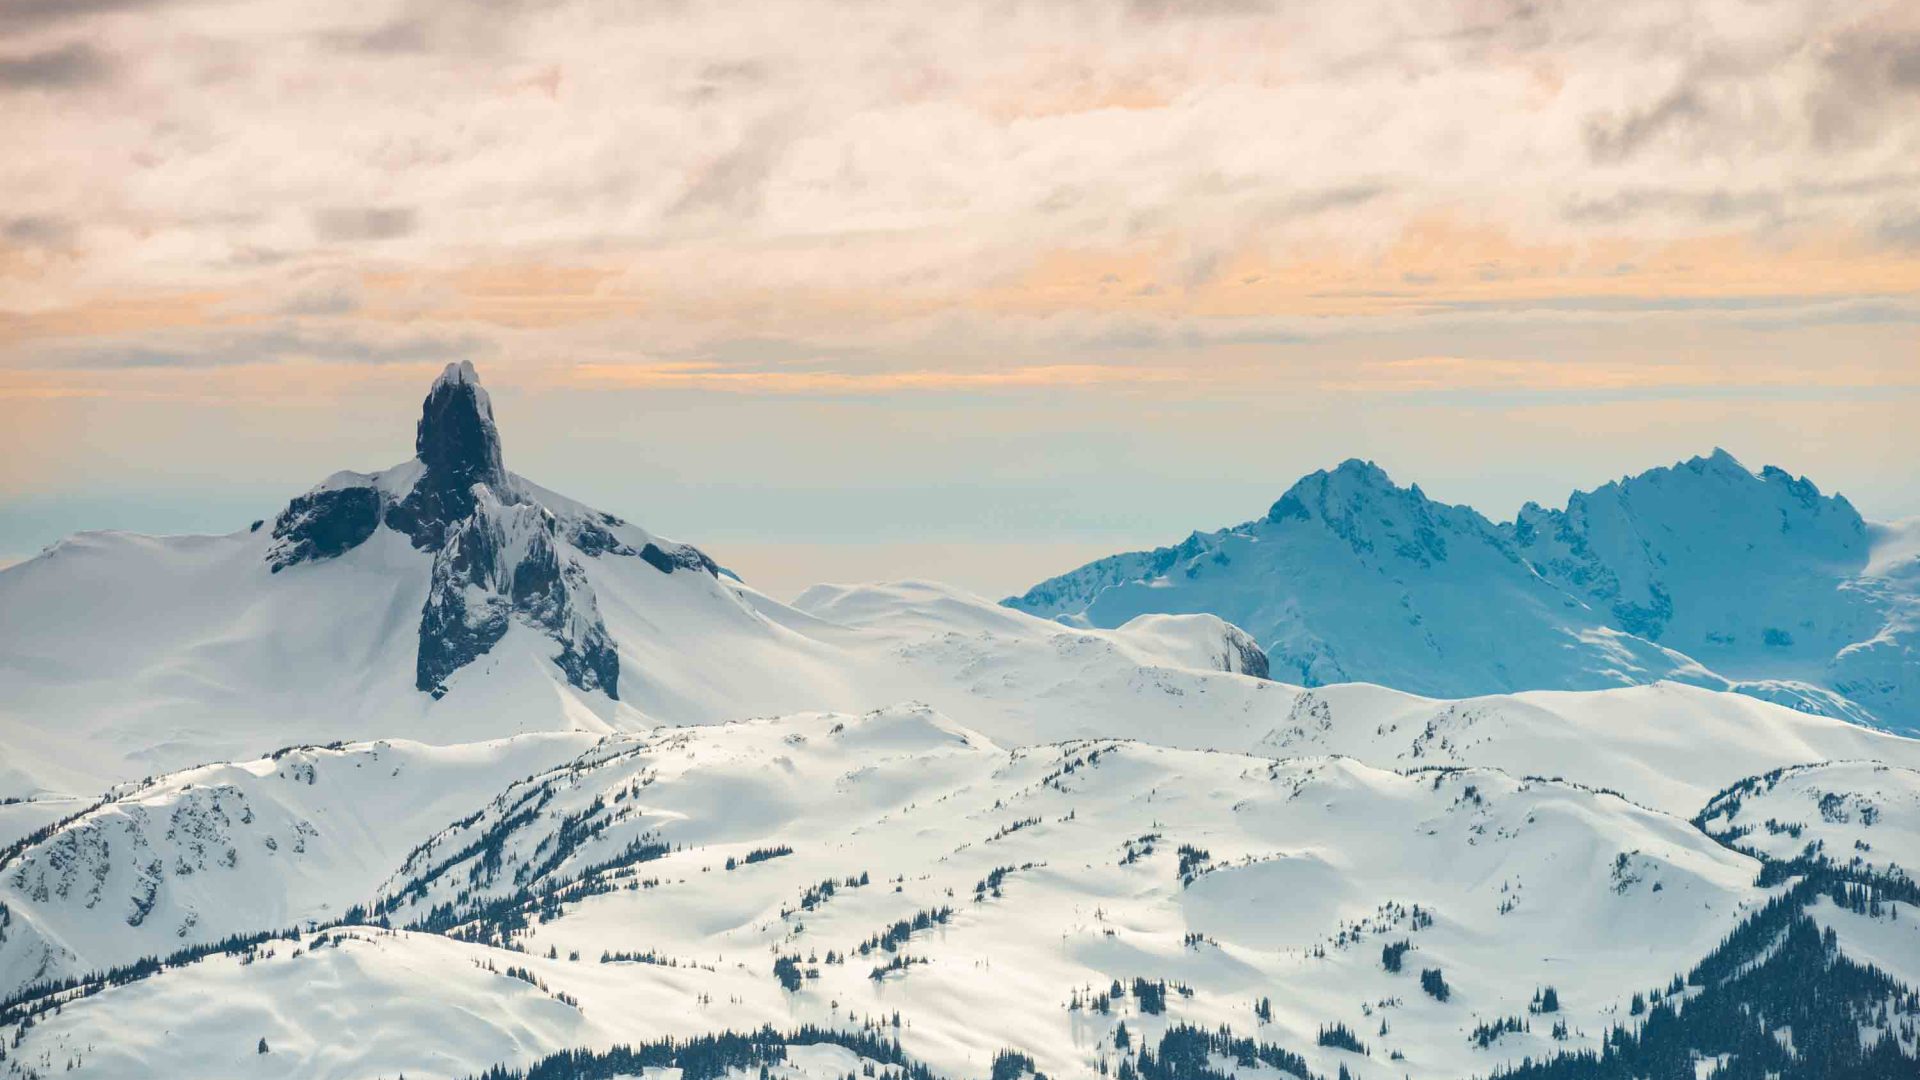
459, 445
456, 439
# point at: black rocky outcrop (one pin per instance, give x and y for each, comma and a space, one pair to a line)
323, 524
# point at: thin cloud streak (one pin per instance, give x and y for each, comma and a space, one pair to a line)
697, 376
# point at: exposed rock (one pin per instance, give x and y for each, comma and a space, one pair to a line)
459, 445
681, 557
323, 524
506, 561
1244, 654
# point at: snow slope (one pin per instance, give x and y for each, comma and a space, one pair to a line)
288, 840
1048, 873
1704, 573
1862, 813
1669, 746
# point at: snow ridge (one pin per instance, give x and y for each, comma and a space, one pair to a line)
1703, 572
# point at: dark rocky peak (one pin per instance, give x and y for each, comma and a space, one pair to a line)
457, 439
458, 445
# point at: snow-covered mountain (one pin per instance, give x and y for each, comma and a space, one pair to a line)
445, 600
436, 772
1704, 573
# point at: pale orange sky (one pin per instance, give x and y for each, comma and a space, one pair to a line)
1094, 272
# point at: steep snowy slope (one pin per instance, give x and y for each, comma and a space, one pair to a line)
1757, 575
1349, 577
1703, 573
896, 863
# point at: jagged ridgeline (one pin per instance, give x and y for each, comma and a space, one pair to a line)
501, 553
1703, 572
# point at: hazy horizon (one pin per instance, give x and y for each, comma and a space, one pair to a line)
782, 535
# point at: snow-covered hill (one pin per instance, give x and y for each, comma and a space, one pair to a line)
896, 873
1861, 813
1704, 573
1667, 745
289, 840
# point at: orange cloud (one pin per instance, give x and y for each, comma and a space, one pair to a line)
698, 376
1435, 264
1442, 373
106, 316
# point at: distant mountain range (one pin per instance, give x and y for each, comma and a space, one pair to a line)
1704, 572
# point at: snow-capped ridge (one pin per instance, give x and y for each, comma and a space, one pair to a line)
1702, 571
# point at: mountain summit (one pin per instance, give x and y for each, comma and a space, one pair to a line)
499, 554
449, 599
1703, 572
458, 447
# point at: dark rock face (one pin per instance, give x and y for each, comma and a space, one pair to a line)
1252, 660
323, 524
506, 562
456, 438
452, 635
592, 538
682, 557
459, 444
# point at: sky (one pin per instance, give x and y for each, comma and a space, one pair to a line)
976, 292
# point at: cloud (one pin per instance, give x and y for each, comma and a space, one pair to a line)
344, 223
1871, 76
64, 68
1616, 138
1160, 176
1457, 374
25, 14
268, 342
398, 37
36, 231
698, 375
734, 183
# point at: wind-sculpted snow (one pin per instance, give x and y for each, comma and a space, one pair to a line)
897, 863
1703, 573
